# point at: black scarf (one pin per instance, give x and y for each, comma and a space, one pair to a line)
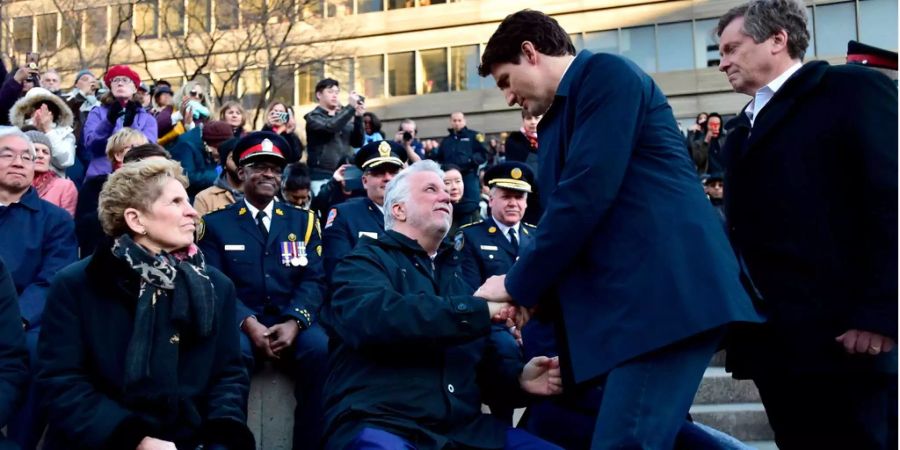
175, 296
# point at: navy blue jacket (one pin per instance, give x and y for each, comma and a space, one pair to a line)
464, 149
811, 206
346, 223
628, 248
37, 239
13, 354
486, 252
410, 350
198, 164
232, 242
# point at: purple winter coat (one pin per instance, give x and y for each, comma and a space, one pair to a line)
97, 129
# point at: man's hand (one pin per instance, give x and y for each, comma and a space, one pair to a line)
257, 334
281, 336
523, 315
501, 312
352, 99
149, 443
541, 376
23, 74
493, 290
857, 341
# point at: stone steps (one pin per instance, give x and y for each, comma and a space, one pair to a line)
731, 406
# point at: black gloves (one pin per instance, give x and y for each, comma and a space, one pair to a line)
114, 110
131, 109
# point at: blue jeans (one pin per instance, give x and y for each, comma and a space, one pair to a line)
376, 439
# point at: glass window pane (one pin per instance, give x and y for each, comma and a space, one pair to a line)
675, 42
120, 23
311, 8
282, 88
95, 28
199, 15
364, 6
810, 27
398, 4
225, 84
145, 19
342, 71
464, 68
370, 76
431, 2
173, 17
307, 77
602, 41
434, 70
339, 8
706, 43
639, 45
401, 74
46, 32
22, 27
577, 41
252, 11
836, 24
71, 28
251, 88
281, 11
226, 14
878, 23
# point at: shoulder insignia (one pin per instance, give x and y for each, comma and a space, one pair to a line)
470, 224
242, 211
331, 216
479, 137
279, 212
529, 225
492, 230
199, 230
459, 241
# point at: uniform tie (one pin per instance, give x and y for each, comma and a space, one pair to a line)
512, 238
262, 225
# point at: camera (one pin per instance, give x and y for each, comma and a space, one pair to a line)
361, 100
407, 136
283, 117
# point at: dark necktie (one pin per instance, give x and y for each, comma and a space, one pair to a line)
512, 238
261, 225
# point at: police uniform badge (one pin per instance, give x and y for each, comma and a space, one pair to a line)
267, 145
516, 173
459, 241
292, 237
331, 216
279, 212
479, 137
242, 211
384, 149
492, 230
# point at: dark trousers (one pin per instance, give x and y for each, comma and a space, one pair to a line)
376, 439
27, 425
646, 399
308, 368
831, 411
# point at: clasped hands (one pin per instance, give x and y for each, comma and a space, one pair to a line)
271, 340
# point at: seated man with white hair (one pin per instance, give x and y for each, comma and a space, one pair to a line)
412, 354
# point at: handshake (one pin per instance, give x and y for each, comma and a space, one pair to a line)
500, 303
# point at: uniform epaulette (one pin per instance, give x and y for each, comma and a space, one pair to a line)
219, 210
470, 224
529, 225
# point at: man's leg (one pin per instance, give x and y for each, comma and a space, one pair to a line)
646, 399
375, 439
27, 425
517, 439
310, 369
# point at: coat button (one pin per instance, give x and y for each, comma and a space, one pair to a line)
450, 388
461, 307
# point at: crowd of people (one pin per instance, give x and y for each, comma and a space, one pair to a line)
156, 251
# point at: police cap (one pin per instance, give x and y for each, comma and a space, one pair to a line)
377, 153
510, 175
260, 146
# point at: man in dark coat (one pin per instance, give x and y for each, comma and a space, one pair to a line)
811, 208
629, 249
272, 251
403, 324
358, 217
463, 148
13, 354
332, 130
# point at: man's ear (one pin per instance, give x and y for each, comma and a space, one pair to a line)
241, 173
529, 53
779, 41
399, 211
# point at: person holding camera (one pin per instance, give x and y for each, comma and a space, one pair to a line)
280, 120
406, 136
196, 107
332, 130
15, 87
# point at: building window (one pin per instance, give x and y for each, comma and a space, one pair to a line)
639, 45
836, 24
252, 12
22, 28
120, 25
811, 28
365, 6
370, 76
145, 19
401, 74
172, 17
433, 64
706, 43
464, 68
227, 13
251, 88
46, 32
282, 85
280, 11
339, 8
71, 28
400, 4
602, 41
878, 23
675, 43
307, 76
342, 71
577, 41
199, 13
95, 28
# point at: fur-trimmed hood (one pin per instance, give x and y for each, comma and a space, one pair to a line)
25, 107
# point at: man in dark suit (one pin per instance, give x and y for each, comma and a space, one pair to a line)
272, 252
629, 249
358, 217
811, 209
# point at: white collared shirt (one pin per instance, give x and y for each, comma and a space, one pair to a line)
505, 230
762, 97
267, 221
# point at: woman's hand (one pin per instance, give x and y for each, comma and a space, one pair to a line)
42, 118
150, 443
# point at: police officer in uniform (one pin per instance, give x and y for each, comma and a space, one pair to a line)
358, 217
464, 148
272, 253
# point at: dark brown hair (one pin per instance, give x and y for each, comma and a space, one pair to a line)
505, 46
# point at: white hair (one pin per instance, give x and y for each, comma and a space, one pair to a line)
398, 190
7, 131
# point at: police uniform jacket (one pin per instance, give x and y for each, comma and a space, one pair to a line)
464, 149
628, 247
37, 239
486, 251
811, 208
265, 285
346, 224
410, 350
82, 349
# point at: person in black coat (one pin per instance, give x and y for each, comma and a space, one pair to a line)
13, 354
139, 348
811, 208
522, 146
